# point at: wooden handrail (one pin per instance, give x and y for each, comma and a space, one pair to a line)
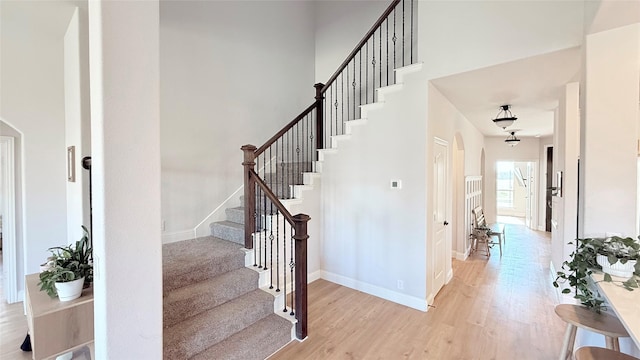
361, 44
274, 199
286, 128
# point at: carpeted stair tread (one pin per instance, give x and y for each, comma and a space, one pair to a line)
255, 342
190, 261
196, 298
229, 231
196, 334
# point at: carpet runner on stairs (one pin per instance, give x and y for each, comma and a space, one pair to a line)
213, 308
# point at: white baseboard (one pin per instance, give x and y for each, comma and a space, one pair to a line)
541, 228
176, 236
402, 299
560, 297
449, 276
463, 256
311, 277
430, 299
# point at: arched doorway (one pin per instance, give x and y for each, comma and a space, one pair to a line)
11, 209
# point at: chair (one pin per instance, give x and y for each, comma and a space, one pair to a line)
480, 224
596, 353
580, 316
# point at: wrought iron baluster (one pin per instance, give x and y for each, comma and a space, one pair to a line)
360, 69
354, 88
341, 103
348, 112
373, 72
292, 264
403, 63
366, 74
336, 106
284, 270
255, 216
387, 42
394, 38
380, 58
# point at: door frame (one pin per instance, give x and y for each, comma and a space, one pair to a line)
8, 203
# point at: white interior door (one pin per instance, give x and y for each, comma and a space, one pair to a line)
440, 161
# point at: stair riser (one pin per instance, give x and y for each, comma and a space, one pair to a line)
227, 233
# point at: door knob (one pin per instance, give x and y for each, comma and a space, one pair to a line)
446, 223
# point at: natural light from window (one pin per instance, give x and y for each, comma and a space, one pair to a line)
504, 184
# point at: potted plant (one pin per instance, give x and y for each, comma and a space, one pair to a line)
618, 256
584, 261
68, 267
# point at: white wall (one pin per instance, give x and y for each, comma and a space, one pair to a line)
566, 153
32, 100
611, 92
445, 121
233, 73
339, 26
374, 235
457, 36
125, 116
77, 121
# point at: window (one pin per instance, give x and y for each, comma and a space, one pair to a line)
504, 184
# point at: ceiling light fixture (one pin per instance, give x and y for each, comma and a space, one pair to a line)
512, 140
505, 118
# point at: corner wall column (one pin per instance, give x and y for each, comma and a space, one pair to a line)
125, 122
609, 133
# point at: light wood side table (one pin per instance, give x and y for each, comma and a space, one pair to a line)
57, 327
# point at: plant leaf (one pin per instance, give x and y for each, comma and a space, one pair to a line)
607, 277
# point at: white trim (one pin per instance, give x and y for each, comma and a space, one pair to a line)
311, 277
541, 228
402, 299
176, 236
8, 210
222, 205
560, 297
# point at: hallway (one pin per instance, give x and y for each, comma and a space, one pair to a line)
501, 308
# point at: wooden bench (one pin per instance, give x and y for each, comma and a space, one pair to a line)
491, 230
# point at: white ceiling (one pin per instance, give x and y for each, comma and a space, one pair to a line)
532, 87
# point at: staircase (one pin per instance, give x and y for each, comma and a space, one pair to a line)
213, 307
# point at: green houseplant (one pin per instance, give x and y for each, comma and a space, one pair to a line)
583, 262
66, 264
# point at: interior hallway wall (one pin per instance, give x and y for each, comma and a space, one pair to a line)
232, 73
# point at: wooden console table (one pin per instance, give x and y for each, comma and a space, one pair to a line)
57, 327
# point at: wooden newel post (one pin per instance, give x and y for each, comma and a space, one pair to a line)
301, 237
249, 164
319, 116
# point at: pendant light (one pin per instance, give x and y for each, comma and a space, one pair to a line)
512, 140
505, 118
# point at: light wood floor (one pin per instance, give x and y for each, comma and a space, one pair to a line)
13, 326
500, 308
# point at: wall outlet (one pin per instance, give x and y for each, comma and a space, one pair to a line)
400, 285
396, 184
